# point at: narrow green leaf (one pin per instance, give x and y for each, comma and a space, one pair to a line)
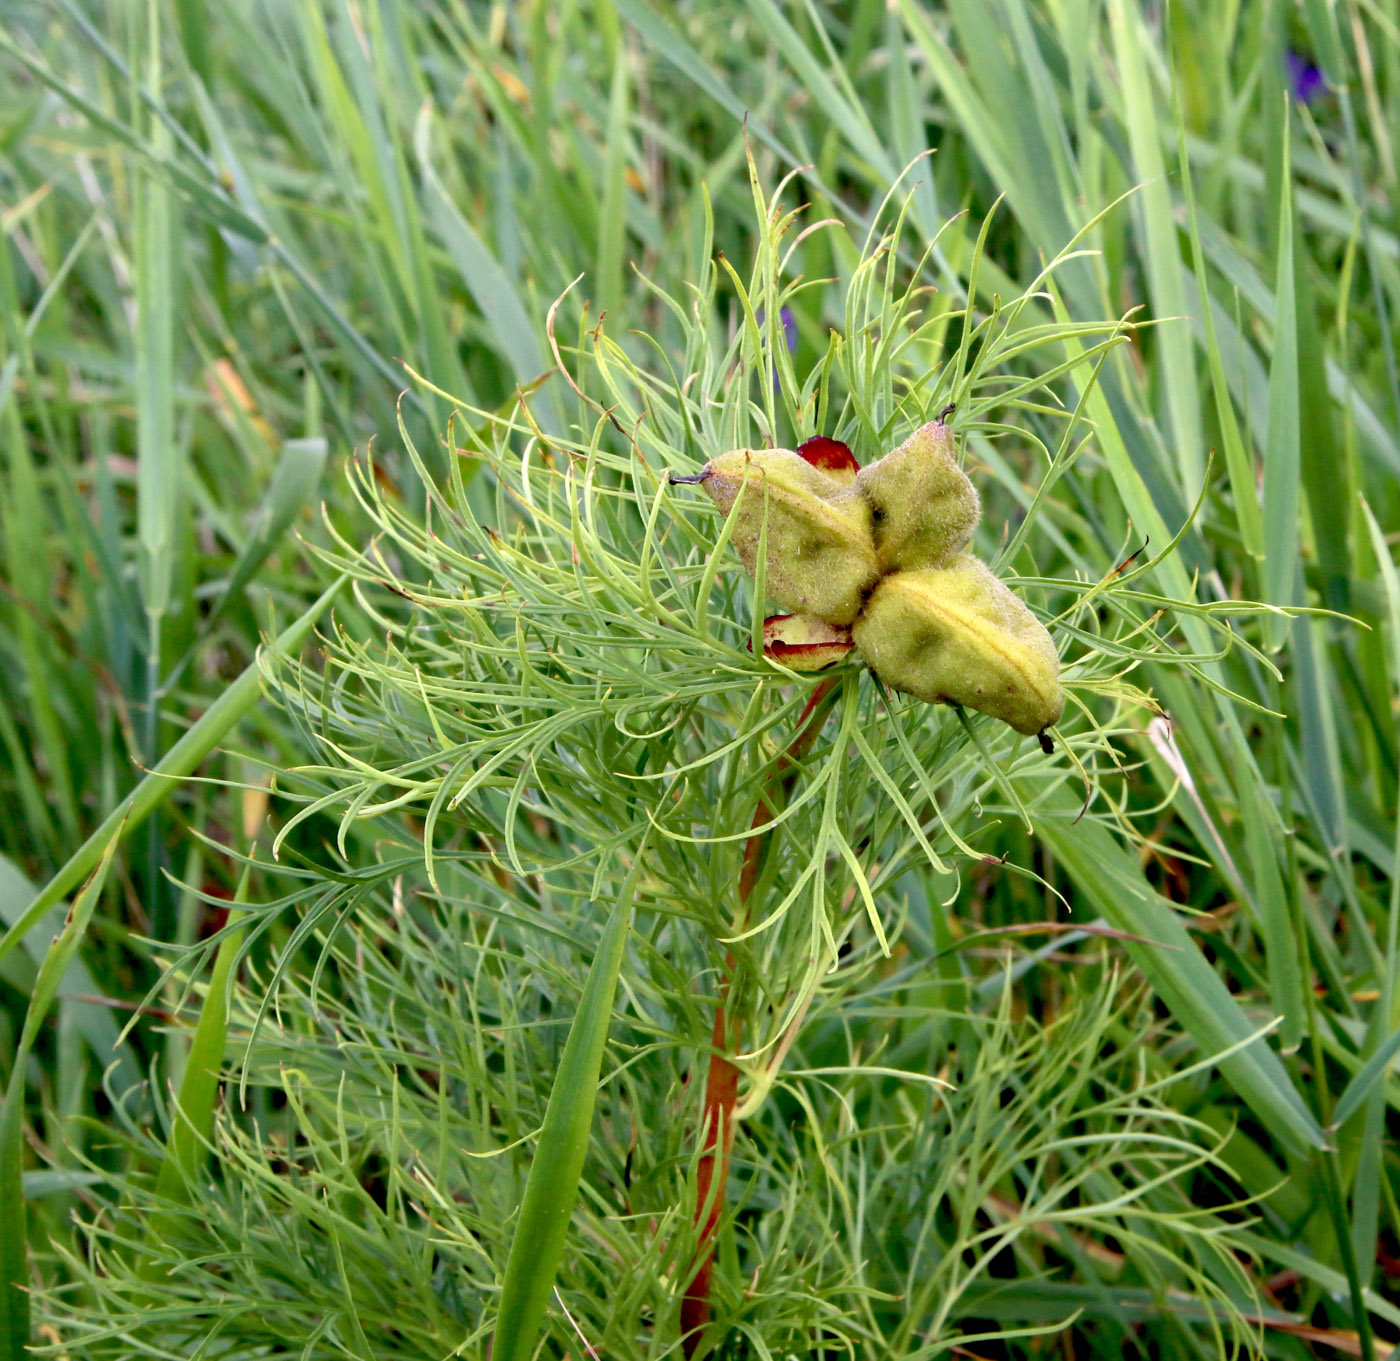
838, 104
612, 213
1238, 463
1282, 453
552, 1187
1326, 40
193, 19
14, 1297
906, 114
1316, 686
23, 522
199, 1089
1109, 876
1324, 468
192, 1115
58, 1181
659, 34
94, 1018
492, 289
214, 203
206, 734
294, 483
1310, 1269
1272, 904
159, 475
1179, 396
1390, 579
1364, 1079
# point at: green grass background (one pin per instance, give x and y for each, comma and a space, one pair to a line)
228, 227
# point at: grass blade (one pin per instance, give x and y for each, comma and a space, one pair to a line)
1179, 393
293, 486
552, 1187
213, 726
1364, 1080
612, 217
14, 1298
192, 1114
490, 286
93, 1018
1283, 453
1239, 465
1181, 976
193, 1117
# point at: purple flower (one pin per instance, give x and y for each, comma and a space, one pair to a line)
789, 323
789, 329
1306, 79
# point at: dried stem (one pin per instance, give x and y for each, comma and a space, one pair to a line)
722, 1083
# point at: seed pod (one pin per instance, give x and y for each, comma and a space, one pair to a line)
832, 456
924, 507
956, 635
802, 642
820, 553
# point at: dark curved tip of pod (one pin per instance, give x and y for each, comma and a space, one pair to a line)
946, 412
686, 481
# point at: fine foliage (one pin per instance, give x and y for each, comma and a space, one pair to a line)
548, 965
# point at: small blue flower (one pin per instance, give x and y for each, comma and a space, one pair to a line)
1307, 80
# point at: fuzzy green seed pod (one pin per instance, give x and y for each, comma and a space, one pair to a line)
820, 551
957, 635
924, 508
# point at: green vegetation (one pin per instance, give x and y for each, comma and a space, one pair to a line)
531, 958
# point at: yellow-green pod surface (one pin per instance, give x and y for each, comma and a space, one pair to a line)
820, 555
924, 508
957, 635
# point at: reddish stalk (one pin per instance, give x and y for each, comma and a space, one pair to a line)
722, 1082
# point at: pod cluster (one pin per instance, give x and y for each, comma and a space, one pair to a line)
881, 551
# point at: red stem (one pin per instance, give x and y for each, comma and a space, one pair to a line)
722, 1082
